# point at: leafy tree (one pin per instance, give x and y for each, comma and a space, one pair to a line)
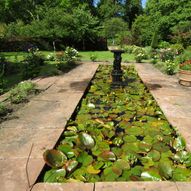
132, 8
142, 30
114, 27
79, 25
109, 8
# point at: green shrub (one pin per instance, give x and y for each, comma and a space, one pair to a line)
154, 59
164, 44
3, 109
93, 57
154, 43
21, 92
67, 59
2, 71
183, 57
128, 49
139, 53
51, 57
166, 54
177, 48
171, 67
32, 64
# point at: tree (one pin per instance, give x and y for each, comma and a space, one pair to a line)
85, 25
56, 23
109, 8
114, 27
132, 8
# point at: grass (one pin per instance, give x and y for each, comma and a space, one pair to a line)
104, 56
84, 56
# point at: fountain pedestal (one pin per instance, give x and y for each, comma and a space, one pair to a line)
117, 72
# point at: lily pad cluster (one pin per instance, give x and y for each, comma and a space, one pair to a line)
118, 135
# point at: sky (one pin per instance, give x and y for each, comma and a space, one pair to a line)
143, 2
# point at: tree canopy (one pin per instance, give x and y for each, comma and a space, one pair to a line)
81, 20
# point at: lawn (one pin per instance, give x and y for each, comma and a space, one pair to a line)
104, 56
84, 56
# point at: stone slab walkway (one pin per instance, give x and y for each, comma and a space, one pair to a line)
173, 98
37, 127
39, 124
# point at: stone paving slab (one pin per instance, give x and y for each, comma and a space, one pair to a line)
13, 176
15, 146
64, 187
183, 186
45, 83
173, 99
136, 186
37, 127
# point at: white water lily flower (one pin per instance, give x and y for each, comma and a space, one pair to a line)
91, 105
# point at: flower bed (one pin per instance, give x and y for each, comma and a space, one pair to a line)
118, 135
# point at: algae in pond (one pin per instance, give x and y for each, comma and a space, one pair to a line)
118, 135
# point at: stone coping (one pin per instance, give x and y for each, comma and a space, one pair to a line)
40, 123
114, 186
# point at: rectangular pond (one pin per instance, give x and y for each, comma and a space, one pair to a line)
118, 135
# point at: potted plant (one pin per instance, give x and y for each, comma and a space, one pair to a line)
185, 73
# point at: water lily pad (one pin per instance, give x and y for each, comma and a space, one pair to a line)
71, 165
108, 156
144, 147
154, 154
117, 141
165, 169
131, 147
85, 159
147, 162
54, 175
86, 140
151, 175
181, 174
67, 150
54, 158
109, 174
130, 138
92, 170
134, 131
122, 164
179, 143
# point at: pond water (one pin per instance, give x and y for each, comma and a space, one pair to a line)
118, 135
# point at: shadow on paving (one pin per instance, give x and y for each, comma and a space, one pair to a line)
79, 85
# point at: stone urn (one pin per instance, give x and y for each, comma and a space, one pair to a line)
185, 78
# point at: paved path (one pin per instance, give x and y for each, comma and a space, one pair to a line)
174, 99
38, 125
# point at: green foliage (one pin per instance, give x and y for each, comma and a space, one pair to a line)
186, 65
93, 57
166, 54
164, 44
114, 28
181, 33
32, 64
170, 17
67, 58
154, 43
139, 53
114, 139
143, 30
177, 48
183, 57
21, 92
132, 9
171, 67
3, 109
